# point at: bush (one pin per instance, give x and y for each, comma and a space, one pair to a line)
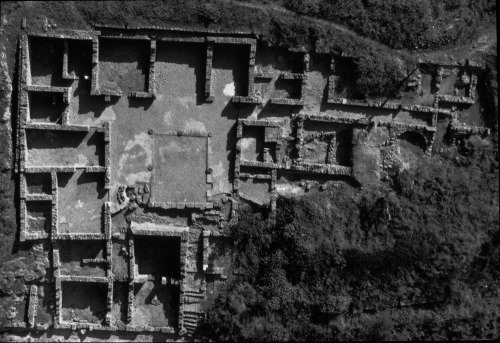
378, 75
404, 24
424, 247
308, 7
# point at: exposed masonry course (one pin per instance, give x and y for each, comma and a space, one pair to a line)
169, 147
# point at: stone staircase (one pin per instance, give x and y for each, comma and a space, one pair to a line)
192, 320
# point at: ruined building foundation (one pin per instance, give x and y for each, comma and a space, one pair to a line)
135, 148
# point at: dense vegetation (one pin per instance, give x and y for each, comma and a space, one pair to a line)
404, 24
417, 258
377, 71
380, 75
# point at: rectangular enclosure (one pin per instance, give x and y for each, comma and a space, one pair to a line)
47, 148
123, 65
120, 260
46, 107
120, 301
420, 88
38, 183
180, 165
79, 58
255, 190
180, 69
280, 59
84, 302
287, 88
316, 150
233, 58
345, 79
46, 56
81, 198
156, 305
158, 256
252, 143
83, 258
39, 216
449, 81
45, 304
327, 142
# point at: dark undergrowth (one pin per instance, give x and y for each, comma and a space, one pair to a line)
417, 258
419, 24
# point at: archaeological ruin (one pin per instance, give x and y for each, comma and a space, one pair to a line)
136, 147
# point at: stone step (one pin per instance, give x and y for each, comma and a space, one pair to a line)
192, 326
191, 321
194, 294
193, 312
192, 300
188, 315
193, 317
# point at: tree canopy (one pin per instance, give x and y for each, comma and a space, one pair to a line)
415, 258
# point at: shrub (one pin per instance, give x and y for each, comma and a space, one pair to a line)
378, 75
414, 259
